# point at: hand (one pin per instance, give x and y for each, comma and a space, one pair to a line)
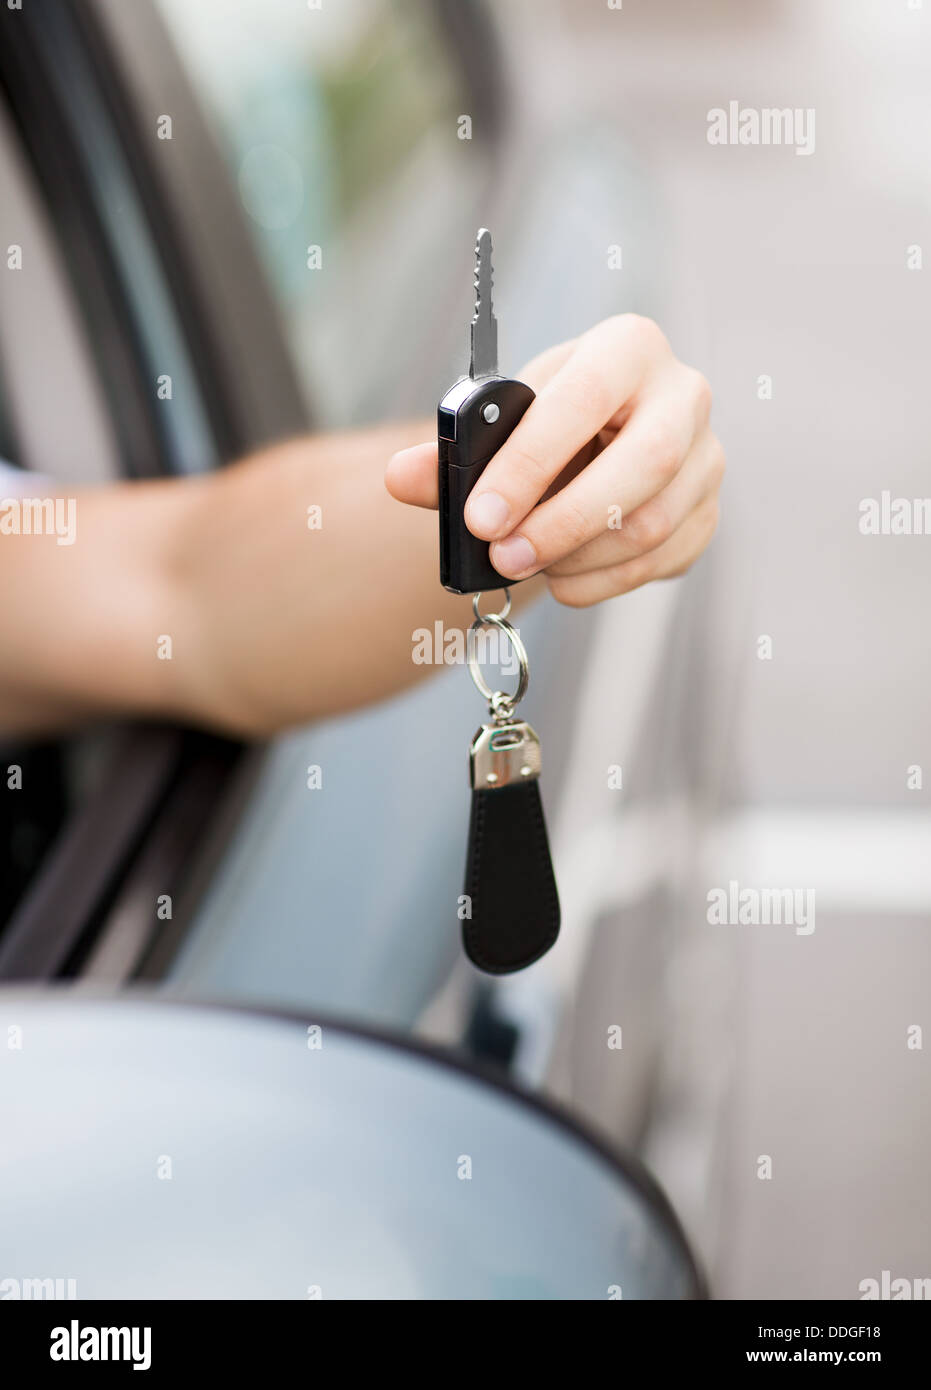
611, 478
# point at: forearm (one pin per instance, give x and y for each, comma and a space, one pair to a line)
212, 600
299, 622
79, 621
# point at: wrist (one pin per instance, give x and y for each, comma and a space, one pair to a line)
187, 627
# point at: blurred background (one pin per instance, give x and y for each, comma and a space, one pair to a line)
792, 282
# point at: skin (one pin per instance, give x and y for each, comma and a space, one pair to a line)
274, 624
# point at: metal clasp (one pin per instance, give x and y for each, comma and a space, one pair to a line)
502, 754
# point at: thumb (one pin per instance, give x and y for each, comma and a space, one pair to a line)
411, 476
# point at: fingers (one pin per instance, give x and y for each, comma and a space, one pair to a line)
411, 476
597, 379
652, 524
610, 479
672, 558
540, 368
641, 461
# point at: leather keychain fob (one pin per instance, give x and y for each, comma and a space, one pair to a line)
510, 887
510, 907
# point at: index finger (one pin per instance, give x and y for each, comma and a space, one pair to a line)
572, 407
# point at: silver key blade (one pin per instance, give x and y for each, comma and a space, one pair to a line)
484, 324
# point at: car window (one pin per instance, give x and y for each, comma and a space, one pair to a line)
45, 354
129, 245
332, 123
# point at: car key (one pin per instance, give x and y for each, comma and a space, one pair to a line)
474, 419
509, 909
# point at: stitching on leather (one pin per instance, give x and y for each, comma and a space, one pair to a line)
544, 849
472, 880
478, 955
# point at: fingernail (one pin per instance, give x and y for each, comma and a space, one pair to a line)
513, 556
488, 514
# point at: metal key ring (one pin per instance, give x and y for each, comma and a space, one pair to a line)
504, 612
498, 698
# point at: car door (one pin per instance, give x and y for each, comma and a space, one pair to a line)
107, 301
271, 208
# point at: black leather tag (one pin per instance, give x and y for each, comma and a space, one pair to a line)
509, 880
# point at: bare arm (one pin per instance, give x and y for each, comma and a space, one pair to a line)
609, 481
270, 622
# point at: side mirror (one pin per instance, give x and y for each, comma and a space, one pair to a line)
166, 1150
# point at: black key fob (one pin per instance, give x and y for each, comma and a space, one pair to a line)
474, 419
